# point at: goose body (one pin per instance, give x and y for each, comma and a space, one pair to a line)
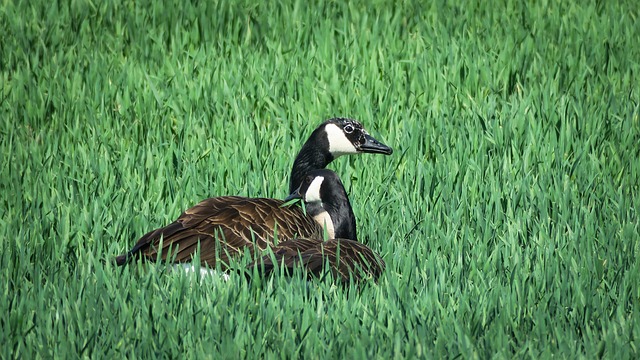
224, 227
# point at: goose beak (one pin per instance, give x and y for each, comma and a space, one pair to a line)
294, 195
373, 146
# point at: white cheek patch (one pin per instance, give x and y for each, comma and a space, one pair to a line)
313, 192
338, 142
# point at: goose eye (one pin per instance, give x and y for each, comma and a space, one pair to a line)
348, 129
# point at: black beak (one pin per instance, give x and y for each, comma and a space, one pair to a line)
294, 195
373, 146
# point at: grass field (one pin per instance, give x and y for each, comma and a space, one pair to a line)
508, 214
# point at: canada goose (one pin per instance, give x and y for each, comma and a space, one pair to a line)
225, 226
333, 138
346, 257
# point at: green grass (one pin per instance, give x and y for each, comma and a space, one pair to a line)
508, 214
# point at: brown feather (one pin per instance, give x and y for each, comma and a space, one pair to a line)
346, 259
224, 227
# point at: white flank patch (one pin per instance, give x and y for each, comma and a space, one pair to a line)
338, 142
204, 271
313, 192
325, 221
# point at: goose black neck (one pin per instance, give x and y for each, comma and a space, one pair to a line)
314, 155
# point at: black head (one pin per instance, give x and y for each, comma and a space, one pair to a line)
333, 138
347, 136
322, 192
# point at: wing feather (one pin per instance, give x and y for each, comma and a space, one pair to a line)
224, 227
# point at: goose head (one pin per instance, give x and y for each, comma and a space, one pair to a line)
333, 138
347, 136
327, 202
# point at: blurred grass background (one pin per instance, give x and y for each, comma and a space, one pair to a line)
508, 214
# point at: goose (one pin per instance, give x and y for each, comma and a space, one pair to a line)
224, 227
346, 257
